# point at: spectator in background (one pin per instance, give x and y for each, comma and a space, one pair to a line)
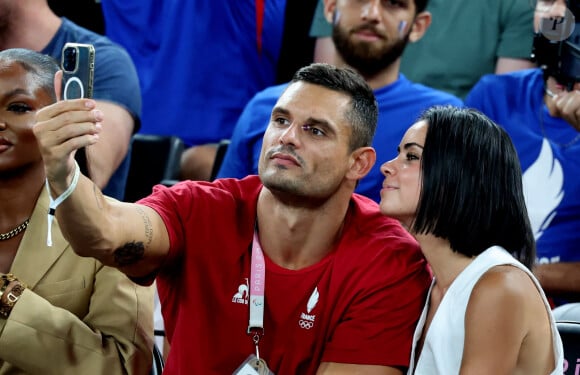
540, 110
31, 24
293, 254
456, 185
201, 61
370, 36
466, 40
59, 313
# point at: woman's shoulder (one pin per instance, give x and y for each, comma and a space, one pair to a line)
505, 285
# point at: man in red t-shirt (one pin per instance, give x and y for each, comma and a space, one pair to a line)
290, 269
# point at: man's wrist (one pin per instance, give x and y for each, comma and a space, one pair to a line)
10, 291
54, 203
59, 187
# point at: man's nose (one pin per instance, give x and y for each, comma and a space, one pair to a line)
371, 10
290, 135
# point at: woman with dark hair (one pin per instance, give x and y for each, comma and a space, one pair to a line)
456, 185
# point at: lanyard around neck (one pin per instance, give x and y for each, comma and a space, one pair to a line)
257, 288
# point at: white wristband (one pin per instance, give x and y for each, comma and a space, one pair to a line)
54, 203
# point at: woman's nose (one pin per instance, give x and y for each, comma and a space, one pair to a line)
387, 168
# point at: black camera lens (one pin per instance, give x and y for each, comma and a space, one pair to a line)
70, 59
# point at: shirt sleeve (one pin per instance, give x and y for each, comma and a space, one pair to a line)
516, 38
116, 80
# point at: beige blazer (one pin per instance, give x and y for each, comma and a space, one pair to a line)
77, 316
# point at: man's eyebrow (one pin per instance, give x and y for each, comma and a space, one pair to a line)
280, 110
319, 122
309, 121
411, 144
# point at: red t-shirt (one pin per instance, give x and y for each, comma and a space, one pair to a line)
358, 305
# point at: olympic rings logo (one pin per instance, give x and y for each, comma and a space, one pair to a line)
305, 324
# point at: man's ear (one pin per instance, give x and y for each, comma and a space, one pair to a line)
361, 162
420, 25
329, 9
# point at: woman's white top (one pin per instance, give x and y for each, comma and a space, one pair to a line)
443, 347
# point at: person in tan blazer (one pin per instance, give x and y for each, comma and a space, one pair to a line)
59, 313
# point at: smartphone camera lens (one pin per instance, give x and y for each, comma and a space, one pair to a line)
70, 59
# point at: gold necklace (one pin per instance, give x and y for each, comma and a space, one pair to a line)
15, 231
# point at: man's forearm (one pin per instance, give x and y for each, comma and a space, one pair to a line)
82, 220
114, 232
559, 277
507, 64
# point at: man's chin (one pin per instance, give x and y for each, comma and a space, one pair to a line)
274, 180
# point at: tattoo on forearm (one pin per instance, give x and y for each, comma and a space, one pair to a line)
132, 252
129, 253
147, 225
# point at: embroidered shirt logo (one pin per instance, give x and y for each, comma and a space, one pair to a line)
242, 296
307, 319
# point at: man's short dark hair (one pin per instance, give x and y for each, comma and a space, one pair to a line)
472, 191
364, 110
43, 67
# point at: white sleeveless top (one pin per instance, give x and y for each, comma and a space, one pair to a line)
443, 347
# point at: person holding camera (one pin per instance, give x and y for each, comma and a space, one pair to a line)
33, 25
59, 313
540, 109
287, 270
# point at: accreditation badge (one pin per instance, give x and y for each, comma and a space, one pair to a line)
253, 366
